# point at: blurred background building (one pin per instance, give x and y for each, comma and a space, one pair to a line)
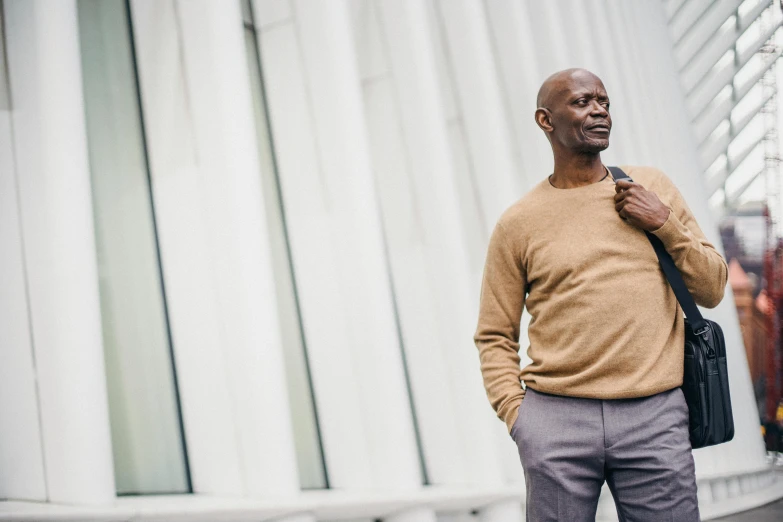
241, 242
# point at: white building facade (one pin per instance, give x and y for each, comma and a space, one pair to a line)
241, 245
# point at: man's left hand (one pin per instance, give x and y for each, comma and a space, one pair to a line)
639, 206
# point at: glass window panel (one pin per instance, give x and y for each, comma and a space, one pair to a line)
247, 13
148, 445
5, 99
312, 472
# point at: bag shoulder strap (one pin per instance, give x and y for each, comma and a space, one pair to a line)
673, 275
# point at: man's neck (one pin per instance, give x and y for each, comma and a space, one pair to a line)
577, 171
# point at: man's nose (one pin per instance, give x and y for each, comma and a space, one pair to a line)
598, 108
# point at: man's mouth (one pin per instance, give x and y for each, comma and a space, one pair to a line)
599, 127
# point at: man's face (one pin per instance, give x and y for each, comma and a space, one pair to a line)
580, 114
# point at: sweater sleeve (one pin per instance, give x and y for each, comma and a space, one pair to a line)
702, 267
497, 335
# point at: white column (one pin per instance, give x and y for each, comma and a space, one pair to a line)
551, 42
208, 196
186, 254
652, 121
337, 244
379, 47
59, 248
21, 455
521, 70
413, 165
479, 130
308, 218
472, 74
218, 83
625, 75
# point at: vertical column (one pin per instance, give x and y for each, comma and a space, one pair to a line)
521, 71
520, 74
307, 202
551, 41
214, 247
495, 180
651, 121
221, 107
625, 75
381, 41
59, 249
415, 172
21, 455
185, 251
471, 73
337, 245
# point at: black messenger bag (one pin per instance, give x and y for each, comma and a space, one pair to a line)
706, 380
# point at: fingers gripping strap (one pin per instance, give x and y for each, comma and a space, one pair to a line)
673, 275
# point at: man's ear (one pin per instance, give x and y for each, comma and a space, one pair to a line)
544, 119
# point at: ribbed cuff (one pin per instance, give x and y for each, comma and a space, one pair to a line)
672, 231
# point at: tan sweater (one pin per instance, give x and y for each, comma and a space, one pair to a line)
605, 322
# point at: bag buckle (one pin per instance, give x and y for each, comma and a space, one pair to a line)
703, 330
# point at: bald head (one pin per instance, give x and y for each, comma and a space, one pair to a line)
559, 84
573, 112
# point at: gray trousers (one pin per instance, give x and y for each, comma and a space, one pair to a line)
569, 446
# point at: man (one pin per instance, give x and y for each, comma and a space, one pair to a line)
601, 400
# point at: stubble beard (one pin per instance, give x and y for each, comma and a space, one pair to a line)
593, 146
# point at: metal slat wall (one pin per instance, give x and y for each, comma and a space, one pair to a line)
724, 50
